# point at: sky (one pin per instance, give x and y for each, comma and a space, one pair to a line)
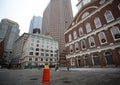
22, 11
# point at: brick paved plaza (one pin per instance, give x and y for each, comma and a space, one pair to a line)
83, 76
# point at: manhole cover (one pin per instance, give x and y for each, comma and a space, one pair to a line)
66, 81
33, 79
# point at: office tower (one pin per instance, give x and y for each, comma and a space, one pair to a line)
36, 22
9, 32
56, 19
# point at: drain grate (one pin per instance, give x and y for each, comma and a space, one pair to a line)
66, 81
33, 79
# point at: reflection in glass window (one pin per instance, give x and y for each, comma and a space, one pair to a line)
71, 48
70, 37
91, 41
88, 27
76, 46
119, 6
108, 16
81, 31
102, 37
115, 32
83, 44
75, 35
97, 22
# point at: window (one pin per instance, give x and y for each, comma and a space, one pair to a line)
37, 49
70, 37
31, 53
76, 46
102, 1
109, 58
30, 59
91, 41
32, 44
38, 41
81, 31
88, 27
42, 54
85, 15
115, 32
36, 53
108, 16
32, 40
71, 48
41, 59
51, 55
96, 59
46, 59
36, 59
75, 35
83, 44
42, 50
47, 54
37, 45
102, 37
97, 22
31, 49
119, 6
86, 60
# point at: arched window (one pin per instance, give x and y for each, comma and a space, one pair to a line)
70, 37
102, 37
88, 27
108, 16
85, 15
76, 46
81, 31
75, 35
91, 41
96, 59
97, 22
71, 48
109, 58
119, 6
102, 1
83, 44
115, 32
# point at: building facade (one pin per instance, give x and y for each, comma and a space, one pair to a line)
56, 18
18, 49
39, 50
36, 22
9, 31
93, 38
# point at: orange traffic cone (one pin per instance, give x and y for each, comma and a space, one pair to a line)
46, 74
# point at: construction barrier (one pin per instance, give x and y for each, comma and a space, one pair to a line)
46, 74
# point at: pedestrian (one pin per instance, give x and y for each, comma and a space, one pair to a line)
56, 68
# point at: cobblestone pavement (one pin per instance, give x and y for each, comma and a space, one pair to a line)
81, 76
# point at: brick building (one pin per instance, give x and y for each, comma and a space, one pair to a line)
93, 38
